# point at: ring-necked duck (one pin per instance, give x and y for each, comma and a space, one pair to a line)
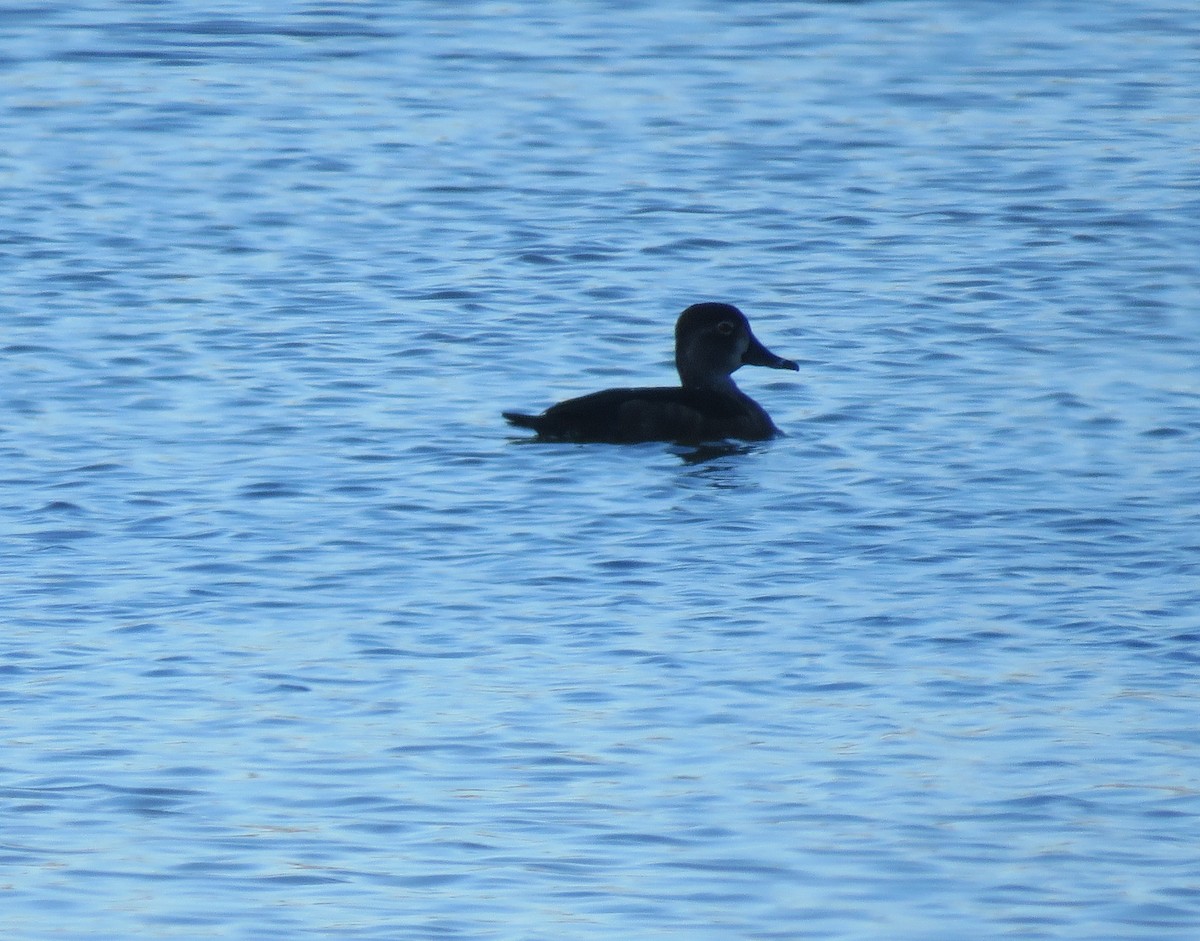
712, 341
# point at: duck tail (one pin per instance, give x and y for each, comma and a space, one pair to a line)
522, 421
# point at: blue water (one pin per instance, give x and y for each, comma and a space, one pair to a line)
301, 641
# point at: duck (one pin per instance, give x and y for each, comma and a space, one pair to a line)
712, 341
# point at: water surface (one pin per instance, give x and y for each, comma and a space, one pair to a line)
302, 642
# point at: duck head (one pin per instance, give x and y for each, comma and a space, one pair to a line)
712, 341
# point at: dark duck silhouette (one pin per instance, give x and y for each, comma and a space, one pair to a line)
712, 341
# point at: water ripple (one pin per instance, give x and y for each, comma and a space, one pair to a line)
301, 641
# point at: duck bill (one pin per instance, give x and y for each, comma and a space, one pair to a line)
758, 355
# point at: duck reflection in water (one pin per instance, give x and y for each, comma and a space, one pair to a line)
712, 341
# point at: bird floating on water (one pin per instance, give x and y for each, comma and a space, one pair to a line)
712, 341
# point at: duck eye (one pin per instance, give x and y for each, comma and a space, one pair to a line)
725, 328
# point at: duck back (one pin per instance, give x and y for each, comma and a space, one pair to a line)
628, 416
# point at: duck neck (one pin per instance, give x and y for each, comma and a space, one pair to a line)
709, 382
